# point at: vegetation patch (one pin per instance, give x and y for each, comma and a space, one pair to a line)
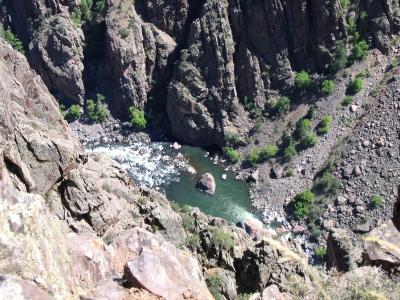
222, 239
325, 125
303, 203
281, 106
231, 154
302, 80
13, 40
327, 87
356, 86
96, 110
138, 119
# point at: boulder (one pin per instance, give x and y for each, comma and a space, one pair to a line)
342, 251
272, 293
382, 246
162, 269
254, 176
253, 226
206, 183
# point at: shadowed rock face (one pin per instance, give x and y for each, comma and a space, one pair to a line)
55, 45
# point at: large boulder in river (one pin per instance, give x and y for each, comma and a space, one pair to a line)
207, 184
382, 246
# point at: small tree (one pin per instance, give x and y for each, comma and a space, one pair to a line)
325, 125
347, 100
360, 50
138, 119
97, 111
281, 106
327, 87
303, 203
290, 150
268, 152
339, 58
310, 140
253, 157
302, 80
303, 128
356, 85
75, 111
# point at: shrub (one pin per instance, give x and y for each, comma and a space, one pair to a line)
302, 80
302, 204
75, 111
253, 157
320, 253
325, 125
234, 140
311, 112
281, 106
344, 3
232, 155
138, 120
187, 222
309, 140
97, 111
289, 172
339, 58
356, 85
360, 50
222, 239
394, 63
347, 100
175, 206
376, 201
303, 128
289, 152
124, 33
327, 87
193, 241
327, 184
13, 40
63, 111
214, 282
268, 152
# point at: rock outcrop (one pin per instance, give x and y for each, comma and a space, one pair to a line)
138, 54
382, 246
54, 44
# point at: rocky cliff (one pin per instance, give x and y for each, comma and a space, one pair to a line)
201, 61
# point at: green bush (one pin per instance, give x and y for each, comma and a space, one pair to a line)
13, 40
302, 80
289, 172
289, 152
232, 155
394, 63
138, 119
281, 106
327, 184
303, 203
339, 58
311, 112
97, 111
325, 125
320, 253
356, 85
344, 3
360, 50
75, 111
268, 152
303, 128
222, 239
327, 87
253, 157
376, 201
175, 206
310, 140
347, 100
